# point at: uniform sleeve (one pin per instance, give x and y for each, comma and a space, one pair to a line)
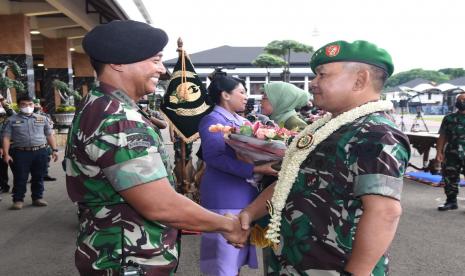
128, 152
6, 128
48, 130
442, 129
381, 156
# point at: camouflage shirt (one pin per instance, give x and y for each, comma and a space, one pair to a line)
453, 127
111, 147
320, 218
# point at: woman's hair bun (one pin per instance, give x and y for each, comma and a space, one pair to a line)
218, 72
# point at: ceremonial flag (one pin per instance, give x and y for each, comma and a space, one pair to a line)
185, 102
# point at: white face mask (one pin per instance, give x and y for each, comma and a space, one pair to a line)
2, 110
27, 110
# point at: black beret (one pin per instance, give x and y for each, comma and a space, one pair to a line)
124, 42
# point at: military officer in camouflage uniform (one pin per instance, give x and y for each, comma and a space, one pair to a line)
344, 206
117, 168
452, 136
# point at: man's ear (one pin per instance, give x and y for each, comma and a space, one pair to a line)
117, 67
363, 77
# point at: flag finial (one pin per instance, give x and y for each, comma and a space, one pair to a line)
180, 44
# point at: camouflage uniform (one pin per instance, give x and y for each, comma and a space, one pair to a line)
368, 156
111, 147
453, 127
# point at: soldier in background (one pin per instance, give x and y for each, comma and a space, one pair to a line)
39, 110
5, 112
452, 137
31, 133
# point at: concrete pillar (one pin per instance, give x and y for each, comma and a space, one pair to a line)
247, 85
84, 75
57, 62
16, 46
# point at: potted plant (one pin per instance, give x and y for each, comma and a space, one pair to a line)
64, 113
6, 82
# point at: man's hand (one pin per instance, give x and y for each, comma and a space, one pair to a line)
266, 169
245, 219
7, 158
440, 157
236, 236
54, 156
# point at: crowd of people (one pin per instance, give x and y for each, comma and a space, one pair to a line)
331, 208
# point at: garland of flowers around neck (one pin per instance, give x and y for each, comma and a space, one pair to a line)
297, 153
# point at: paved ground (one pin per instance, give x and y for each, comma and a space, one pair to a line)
40, 241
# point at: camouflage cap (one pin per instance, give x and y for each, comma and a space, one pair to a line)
357, 51
124, 42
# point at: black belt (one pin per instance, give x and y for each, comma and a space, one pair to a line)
34, 148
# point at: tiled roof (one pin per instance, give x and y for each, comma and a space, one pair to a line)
228, 56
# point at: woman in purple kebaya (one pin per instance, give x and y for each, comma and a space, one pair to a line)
224, 187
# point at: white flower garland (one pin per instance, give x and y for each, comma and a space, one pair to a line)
294, 157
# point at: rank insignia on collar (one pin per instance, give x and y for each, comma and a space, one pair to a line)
305, 142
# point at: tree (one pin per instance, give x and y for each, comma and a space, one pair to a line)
283, 49
406, 76
268, 60
6, 82
453, 73
66, 93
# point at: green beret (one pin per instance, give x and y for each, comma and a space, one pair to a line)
124, 42
357, 51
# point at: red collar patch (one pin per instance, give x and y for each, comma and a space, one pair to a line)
332, 50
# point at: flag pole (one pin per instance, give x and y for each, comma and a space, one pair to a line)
183, 180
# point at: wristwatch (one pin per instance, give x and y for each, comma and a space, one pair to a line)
55, 150
346, 273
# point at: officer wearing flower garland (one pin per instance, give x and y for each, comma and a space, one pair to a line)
336, 204
452, 139
117, 169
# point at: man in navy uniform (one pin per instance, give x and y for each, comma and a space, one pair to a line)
30, 133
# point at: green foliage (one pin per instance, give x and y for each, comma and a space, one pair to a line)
268, 60
66, 90
403, 77
453, 73
65, 109
5, 81
284, 47
15, 107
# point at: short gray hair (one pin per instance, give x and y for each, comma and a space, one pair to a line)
378, 75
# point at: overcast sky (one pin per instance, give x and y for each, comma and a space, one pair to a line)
417, 33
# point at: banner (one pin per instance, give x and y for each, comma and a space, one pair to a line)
185, 102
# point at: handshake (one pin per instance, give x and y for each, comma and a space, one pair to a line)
238, 229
